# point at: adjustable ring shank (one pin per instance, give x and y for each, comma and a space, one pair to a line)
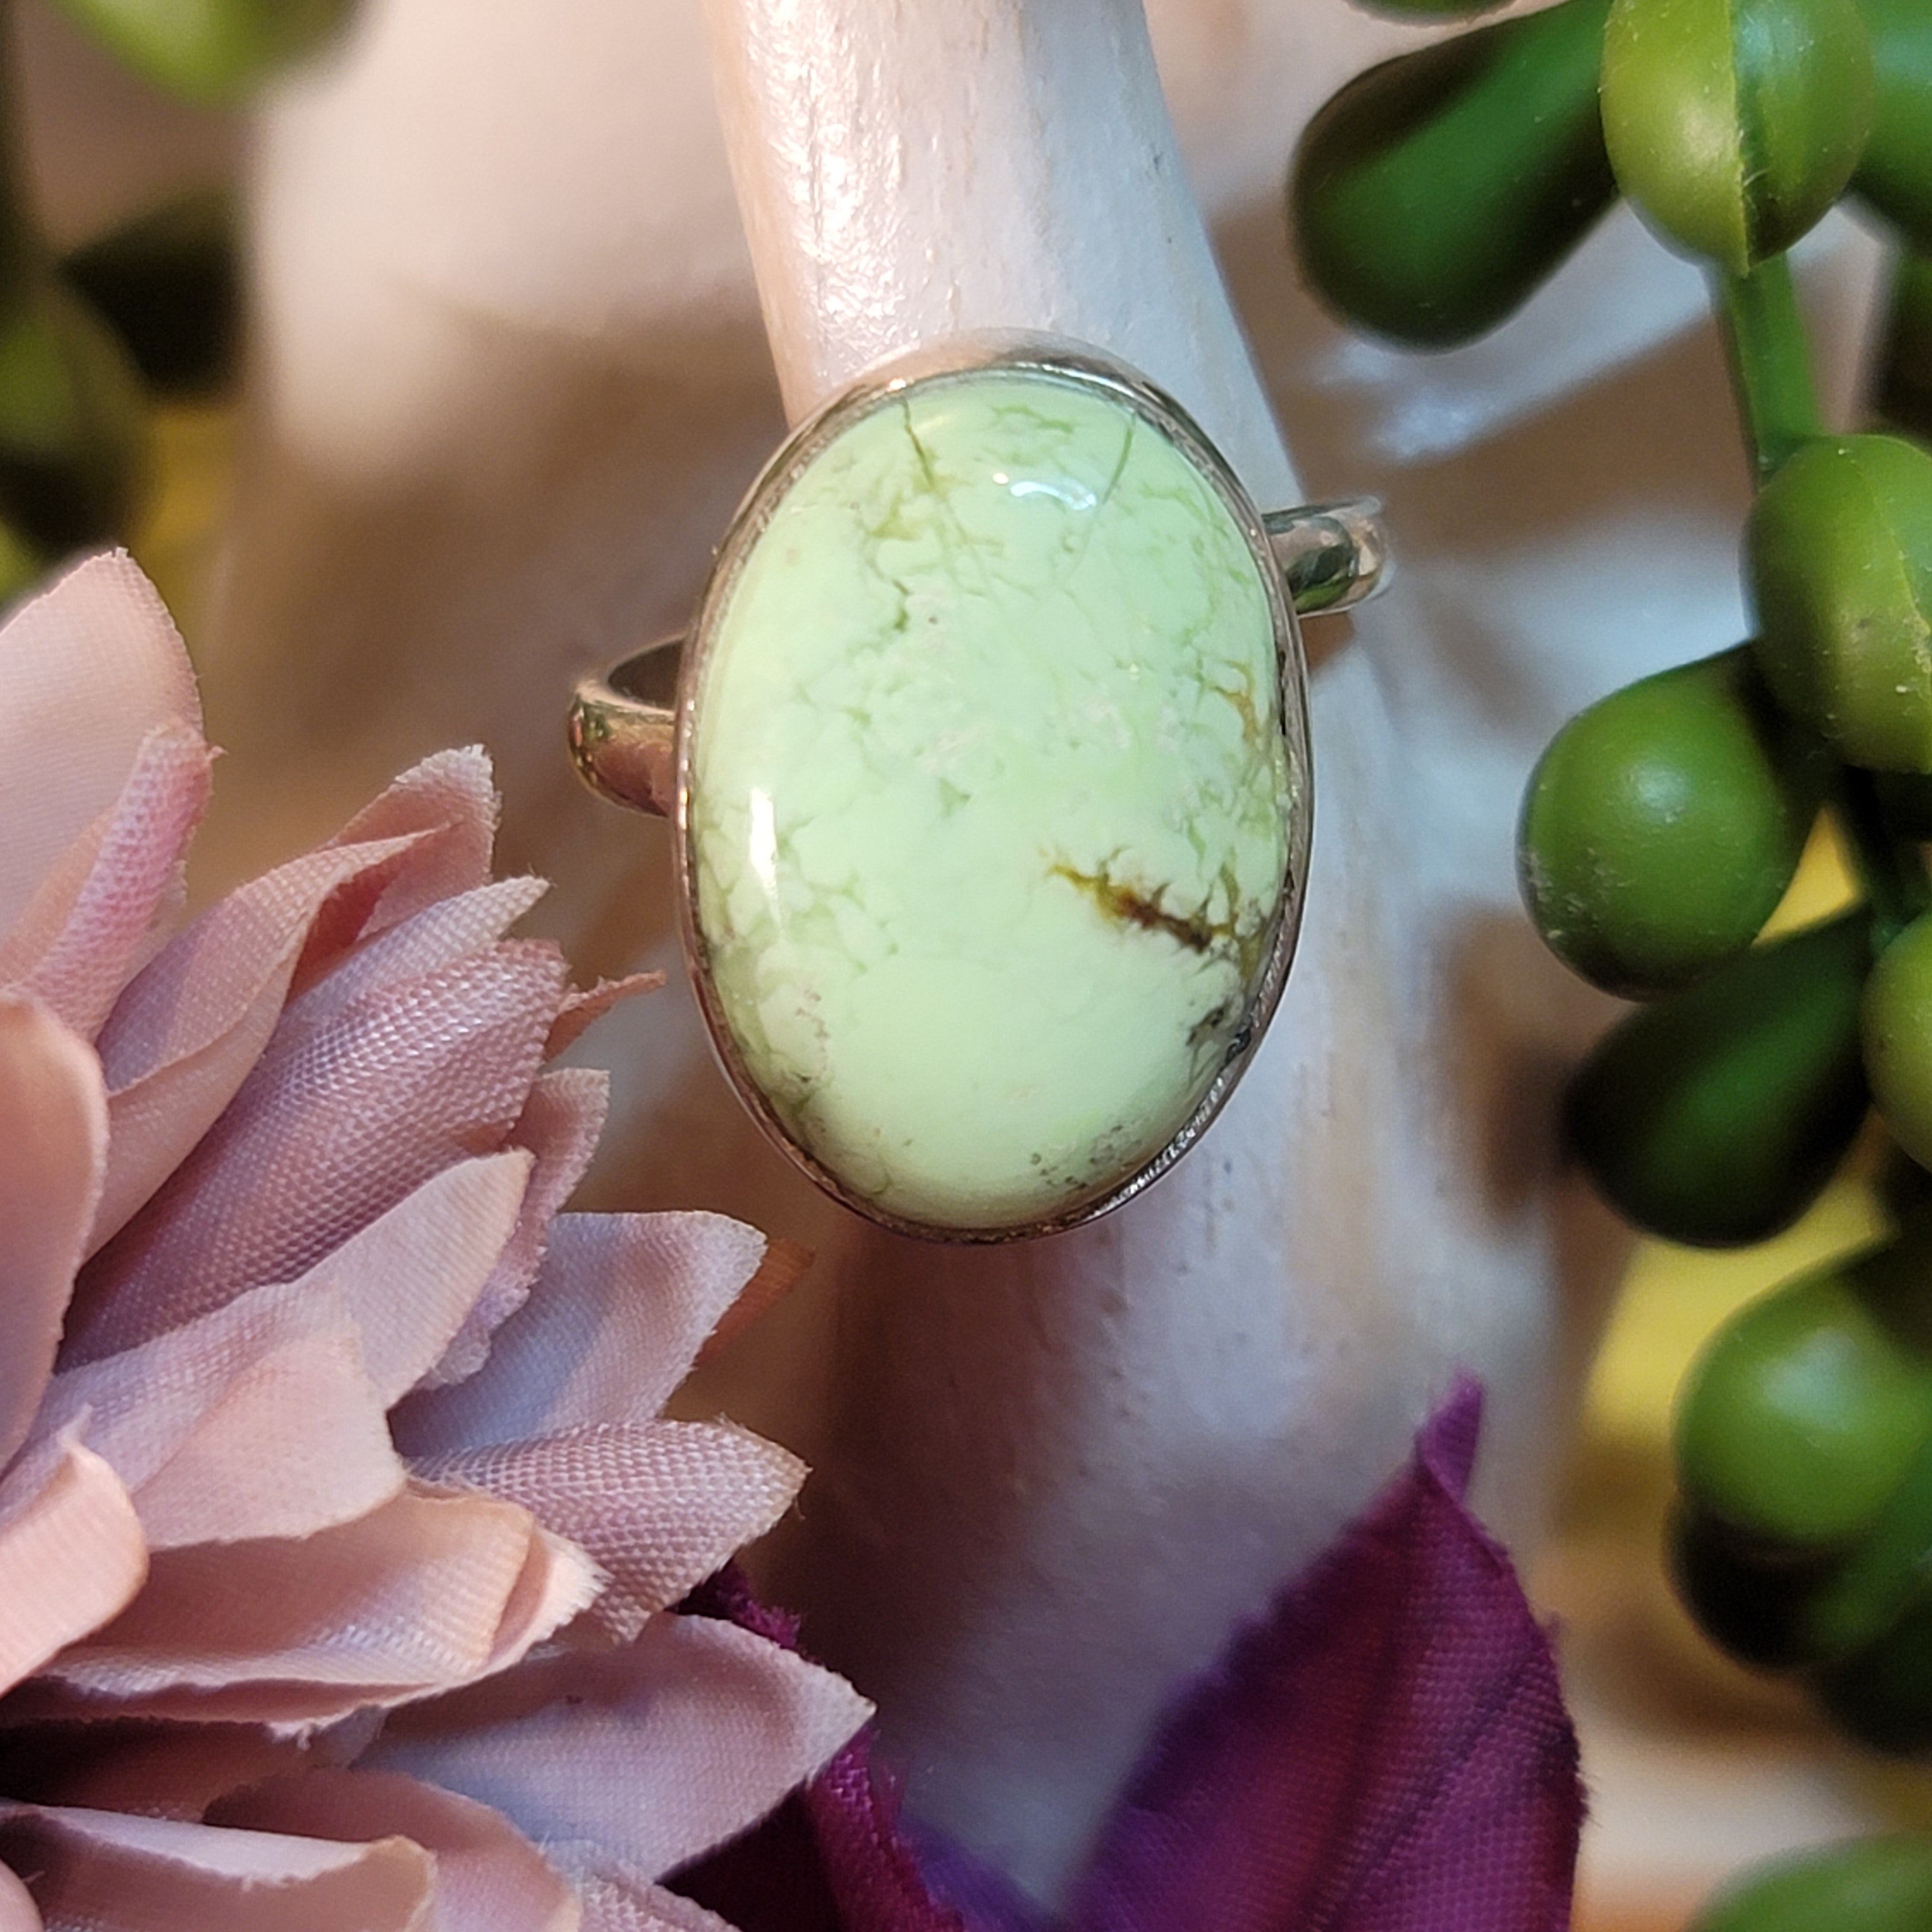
623, 726
1332, 556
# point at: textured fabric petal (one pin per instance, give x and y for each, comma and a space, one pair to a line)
612, 1904
559, 1126
323, 1138
217, 1424
655, 1752
71, 1546
430, 1592
185, 1032
833, 1857
451, 793
97, 1871
267, 1417
1387, 1751
171, 1770
257, 1420
414, 1276
489, 1877
88, 926
99, 629
18, 1911
659, 1505
440, 935
53, 1128
622, 1304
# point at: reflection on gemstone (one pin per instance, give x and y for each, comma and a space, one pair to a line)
990, 803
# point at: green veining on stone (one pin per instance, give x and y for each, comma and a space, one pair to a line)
990, 799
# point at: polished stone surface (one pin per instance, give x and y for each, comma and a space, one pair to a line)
990, 799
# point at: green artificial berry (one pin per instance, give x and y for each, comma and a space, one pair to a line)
1882, 1695
1715, 1116
1734, 124
170, 283
1896, 1022
1804, 1412
1871, 1884
1663, 825
211, 51
1434, 193
1894, 173
1746, 1595
1838, 558
74, 426
1884, 1574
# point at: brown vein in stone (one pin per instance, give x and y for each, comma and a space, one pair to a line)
1126, 907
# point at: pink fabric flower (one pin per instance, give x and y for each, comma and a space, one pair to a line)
338, 1522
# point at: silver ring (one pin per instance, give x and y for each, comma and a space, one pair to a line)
987, 755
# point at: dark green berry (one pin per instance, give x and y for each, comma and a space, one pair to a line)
1434, 193
1663, 825
1714, 1118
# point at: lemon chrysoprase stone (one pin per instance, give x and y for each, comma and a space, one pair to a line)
990, 798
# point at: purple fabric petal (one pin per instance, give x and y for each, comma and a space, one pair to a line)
1386, 1751
831, 1858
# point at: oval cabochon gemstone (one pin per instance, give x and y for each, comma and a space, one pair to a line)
989, 798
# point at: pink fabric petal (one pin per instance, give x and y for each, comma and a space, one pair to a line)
451, 794
53, 1127
324, 1137
659, 1505
71, 1546
580, 1009
98, 1871
615, 1904
489, 1877
267, 1417
654, 1752
431, 1591
153, 1770
184, 1034
89, 927
413, 1276
559, 1125
100, 630
18, 1911
258, 1420
621, 1303
438, 936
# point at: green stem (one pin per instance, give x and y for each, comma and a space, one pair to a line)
1770, 361
1770, 371
1891, 871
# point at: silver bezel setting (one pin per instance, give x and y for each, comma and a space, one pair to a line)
1080, 367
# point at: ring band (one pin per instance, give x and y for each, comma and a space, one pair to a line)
987, 755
